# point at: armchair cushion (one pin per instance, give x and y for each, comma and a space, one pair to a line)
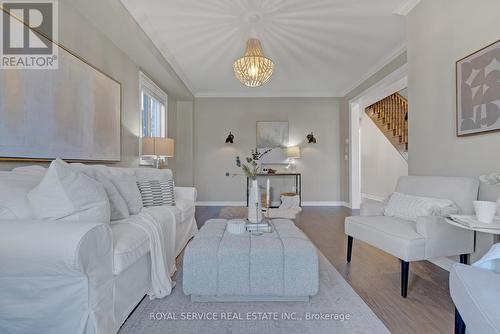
393, 235
475, 294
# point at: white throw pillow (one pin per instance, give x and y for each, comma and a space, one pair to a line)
14, 188
127, 186
118, 206
290, 202
67, 194
411, 207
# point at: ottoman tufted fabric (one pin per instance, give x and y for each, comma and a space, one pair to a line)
277, 266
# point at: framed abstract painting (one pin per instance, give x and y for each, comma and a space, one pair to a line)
273, 137
478, 91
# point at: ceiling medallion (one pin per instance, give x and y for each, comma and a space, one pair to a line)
253, 69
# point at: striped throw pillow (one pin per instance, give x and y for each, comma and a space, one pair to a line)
157, 192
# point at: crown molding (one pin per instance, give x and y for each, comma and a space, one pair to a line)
265, 94
406, 7
393, 55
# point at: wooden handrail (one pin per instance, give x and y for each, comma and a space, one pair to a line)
391, 116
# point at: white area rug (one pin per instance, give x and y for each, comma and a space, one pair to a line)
335, 309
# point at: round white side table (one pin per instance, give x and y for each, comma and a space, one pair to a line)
465, 257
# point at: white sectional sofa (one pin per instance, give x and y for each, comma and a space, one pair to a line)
76, 277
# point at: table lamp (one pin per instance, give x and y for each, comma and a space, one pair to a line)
292, 153
158, 148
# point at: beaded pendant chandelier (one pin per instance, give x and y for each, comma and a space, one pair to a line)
253, 69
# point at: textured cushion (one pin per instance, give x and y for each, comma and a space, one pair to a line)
411, 207
157, 192
475, 294
290, 202
282, 264
118, 206
127, 186
393, 235
67, 194
461, 190
14, 188
130, 243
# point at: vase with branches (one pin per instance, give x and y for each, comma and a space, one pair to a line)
251, 168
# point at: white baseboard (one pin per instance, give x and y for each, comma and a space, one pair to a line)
316, 203
325, 203
211, 203
443, 262
372, 197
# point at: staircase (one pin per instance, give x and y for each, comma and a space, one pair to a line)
391, 117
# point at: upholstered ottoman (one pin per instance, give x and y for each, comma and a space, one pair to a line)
277, 266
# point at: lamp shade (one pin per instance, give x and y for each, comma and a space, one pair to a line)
293, 152
164, 147
148, 146
158, 146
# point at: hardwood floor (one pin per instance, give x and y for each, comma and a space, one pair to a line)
373, 274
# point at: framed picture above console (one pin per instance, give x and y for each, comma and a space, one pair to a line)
273, 136
72, 112
478, 91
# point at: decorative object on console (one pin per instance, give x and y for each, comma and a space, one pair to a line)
296, 188
478, 96
292, 153
251, 170
158, 148
273, 136
310, 138
230, 138
253, 69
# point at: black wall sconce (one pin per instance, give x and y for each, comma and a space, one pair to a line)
311, 139
230, 138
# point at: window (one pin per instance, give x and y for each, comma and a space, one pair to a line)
153, 109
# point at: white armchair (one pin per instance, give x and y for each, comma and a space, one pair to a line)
427, 238
474, 290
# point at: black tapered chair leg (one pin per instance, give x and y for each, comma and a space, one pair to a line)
459, 323
405, 268
464, 258
349, 248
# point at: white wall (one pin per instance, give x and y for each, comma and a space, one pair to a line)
440, 33
381, 163
103, 33
215, 117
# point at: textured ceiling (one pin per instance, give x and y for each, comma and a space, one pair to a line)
320, 47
